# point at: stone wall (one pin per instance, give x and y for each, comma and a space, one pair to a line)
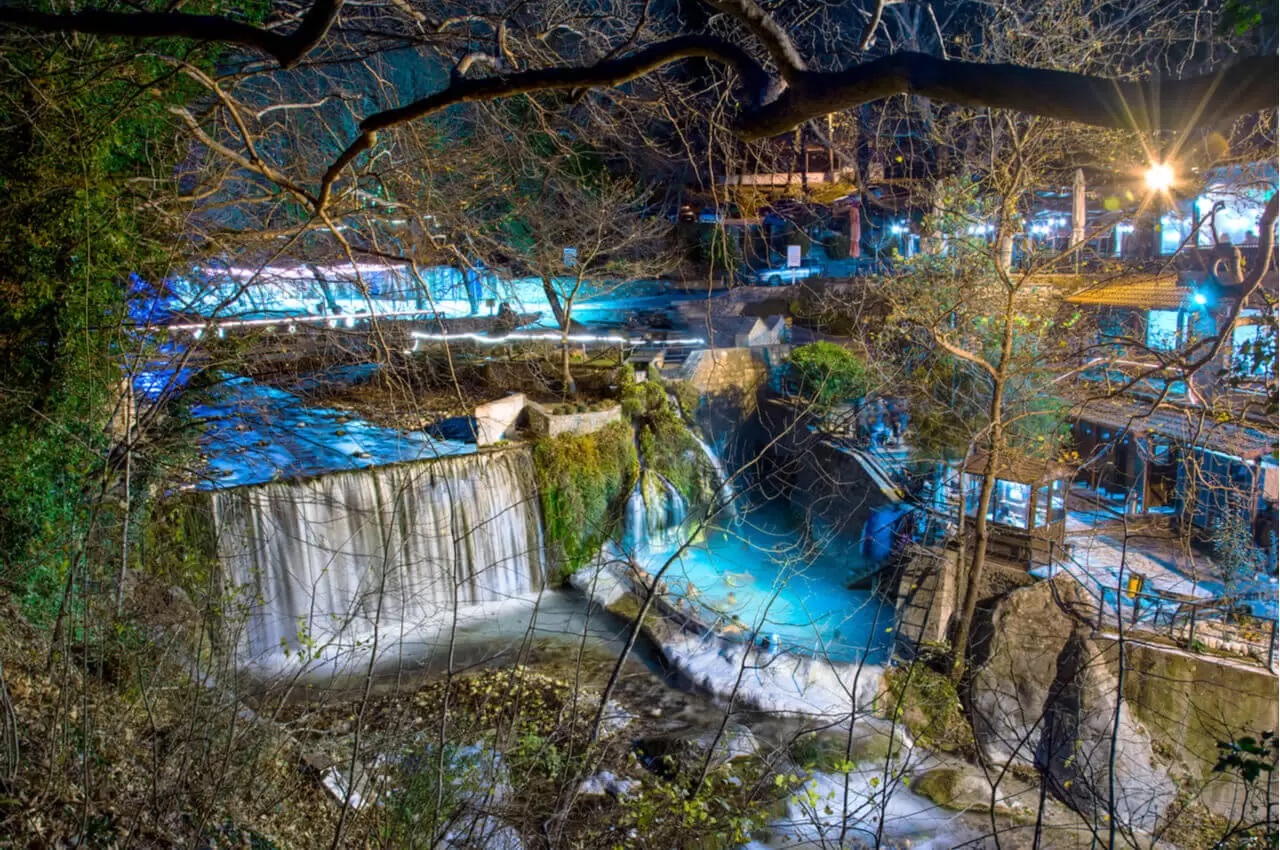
1191, 702
496, 419
926, 598
716, 371
544, 423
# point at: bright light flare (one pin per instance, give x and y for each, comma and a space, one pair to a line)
1159, 177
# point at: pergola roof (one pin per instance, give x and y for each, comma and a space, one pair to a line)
1186, 426
1146, 292
1021, 469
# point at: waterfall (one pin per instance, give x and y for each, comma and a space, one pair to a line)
725, 490
656, 510
321, 567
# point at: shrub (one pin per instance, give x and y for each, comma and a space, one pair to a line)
826, 374
926, 703
669, 448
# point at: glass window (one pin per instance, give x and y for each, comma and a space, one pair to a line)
1042, 507
1173, 229
1009, 503
972, 490
1058, 501
1162, 329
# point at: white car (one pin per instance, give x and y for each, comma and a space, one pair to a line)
778, 277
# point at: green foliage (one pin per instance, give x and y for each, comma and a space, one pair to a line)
423, 798
583, 480
181, 541
927, 704
1248, 756
667, 445
687, 396
1241, 16
720, 814
719, 249
1233, 549
825, 374
78, 119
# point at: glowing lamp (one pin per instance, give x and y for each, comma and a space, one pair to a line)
1200, 299
1159, 178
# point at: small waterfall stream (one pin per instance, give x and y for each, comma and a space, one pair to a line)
322, 567
656, 511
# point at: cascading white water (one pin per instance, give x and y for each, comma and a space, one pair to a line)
724, 492
656, 510
322, 567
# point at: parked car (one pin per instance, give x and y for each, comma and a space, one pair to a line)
781, 276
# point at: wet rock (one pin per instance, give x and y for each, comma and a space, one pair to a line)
615, 718
673, 754
966, 788
606, 783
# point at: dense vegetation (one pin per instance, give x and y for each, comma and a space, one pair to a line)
825, 374
667, 444
84, 132
583, 482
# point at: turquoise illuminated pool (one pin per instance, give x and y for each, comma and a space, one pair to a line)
761, 576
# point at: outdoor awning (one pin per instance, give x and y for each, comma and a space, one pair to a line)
1020, 468
1184, 426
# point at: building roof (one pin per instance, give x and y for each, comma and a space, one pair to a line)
1186, 426
1142, 291
1020, 468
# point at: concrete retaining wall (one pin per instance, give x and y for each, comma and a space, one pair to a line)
544, 423
495, 420
1190, 703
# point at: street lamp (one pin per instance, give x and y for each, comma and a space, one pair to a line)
1159, 177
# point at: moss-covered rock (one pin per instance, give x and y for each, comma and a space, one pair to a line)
583, 482
965, 788
927, 704
830, 752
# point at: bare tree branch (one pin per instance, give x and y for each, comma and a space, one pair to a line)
765, 28
1248, 86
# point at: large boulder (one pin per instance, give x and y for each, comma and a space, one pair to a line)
1047, 698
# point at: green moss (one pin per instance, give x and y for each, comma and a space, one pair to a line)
927, 704
826, 751
666, 443
583, 481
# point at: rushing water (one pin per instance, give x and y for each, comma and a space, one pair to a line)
325, 567
417, 558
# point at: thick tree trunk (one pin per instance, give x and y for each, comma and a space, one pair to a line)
553, 298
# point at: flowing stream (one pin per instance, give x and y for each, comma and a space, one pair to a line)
326, 569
